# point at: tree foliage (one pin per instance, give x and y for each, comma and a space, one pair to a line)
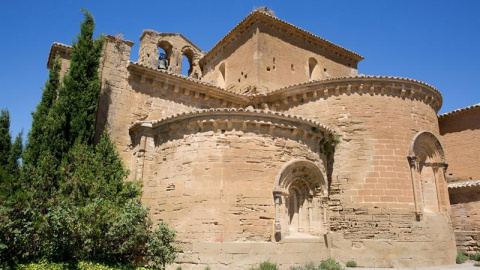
73, 202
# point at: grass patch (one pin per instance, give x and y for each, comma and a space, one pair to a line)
266, 266
330, 264
475, 257
43, 265
461, 258
352, 264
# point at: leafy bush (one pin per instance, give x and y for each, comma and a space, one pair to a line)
266, 266
461, 258
310, 266
43, 265
331, 264
477, 264
475, 257
207, 268
351, 264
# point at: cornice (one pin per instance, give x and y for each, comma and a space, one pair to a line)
228, 112
459, 112
373, 85
57, 47
297, 93
464, 184
187, 86
250, 20
316, 136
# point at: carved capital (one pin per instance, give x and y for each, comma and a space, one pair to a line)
278, 227
412, 160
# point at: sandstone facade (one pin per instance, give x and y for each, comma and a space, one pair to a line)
273, 148
460, 131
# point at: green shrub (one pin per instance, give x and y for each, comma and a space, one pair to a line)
207, 268
477, 264
78, 266
330, 264
461, 258
42, 266
266, 266
351, 264
310, 266
475, 257
178, 268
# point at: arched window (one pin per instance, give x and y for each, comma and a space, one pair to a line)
427, 165
300, 194
299, 203
221, 78
314, 71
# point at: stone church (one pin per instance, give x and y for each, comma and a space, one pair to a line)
274, 148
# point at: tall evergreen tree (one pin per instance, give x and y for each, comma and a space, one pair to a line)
11, 194
38, 140
10, 154
82, 85
5, 137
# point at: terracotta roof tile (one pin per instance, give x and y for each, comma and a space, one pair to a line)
459, 111
464, 184
234, 111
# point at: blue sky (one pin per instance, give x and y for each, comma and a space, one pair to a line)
437, 42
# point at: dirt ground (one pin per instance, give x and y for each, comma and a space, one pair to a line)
464, 266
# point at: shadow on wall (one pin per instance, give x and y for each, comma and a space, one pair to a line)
104, 102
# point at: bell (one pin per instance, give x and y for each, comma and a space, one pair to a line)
162, 64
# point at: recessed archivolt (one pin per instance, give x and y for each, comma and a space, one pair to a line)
309, 173
426, 146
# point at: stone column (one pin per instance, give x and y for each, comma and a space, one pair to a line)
277, 196
413, 161
310, 215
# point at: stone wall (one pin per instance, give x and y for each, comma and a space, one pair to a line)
212, 174
262, 54
459, 130
372, 199
466, 217
278, 66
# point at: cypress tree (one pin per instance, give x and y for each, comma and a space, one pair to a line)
5, 137
38, 141
10, 154
82, 85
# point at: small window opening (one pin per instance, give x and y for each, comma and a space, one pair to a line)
268, 68
313, 69
221, 78
185, 66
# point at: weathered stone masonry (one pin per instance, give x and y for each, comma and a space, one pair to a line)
273, 148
